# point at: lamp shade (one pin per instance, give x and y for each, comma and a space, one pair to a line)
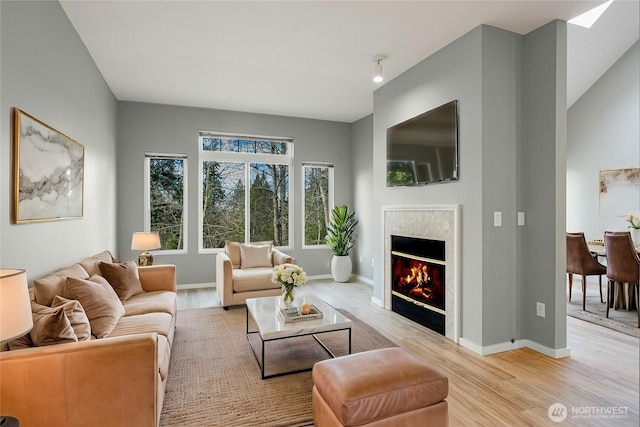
15, 304
141, 241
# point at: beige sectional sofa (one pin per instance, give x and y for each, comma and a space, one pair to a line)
244, 271
118, 380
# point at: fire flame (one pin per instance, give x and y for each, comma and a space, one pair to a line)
418, 280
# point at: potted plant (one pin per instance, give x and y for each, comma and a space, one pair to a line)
340, 239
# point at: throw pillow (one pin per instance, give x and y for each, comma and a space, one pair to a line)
48, 287
25, 340
99, 300
232, 249
52, 326
255, 256
76, 315
123, 277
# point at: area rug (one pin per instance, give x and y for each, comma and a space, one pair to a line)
214, 379
619, 320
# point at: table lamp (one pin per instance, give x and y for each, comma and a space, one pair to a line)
15, 314
145, 241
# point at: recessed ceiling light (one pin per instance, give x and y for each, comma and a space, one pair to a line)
590, 17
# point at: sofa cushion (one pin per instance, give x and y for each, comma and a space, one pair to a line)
99, 300
151, 302
252, 256
92, 264
76, 315
253, 279
123, 277
48, 287
144, 323
52, 326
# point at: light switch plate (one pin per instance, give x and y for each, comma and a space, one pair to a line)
497, 219
520, 218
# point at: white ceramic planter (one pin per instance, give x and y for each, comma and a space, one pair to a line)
635, 236
341, 268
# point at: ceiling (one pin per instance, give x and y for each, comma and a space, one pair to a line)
309, 58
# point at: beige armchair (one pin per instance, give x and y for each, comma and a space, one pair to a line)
244, 271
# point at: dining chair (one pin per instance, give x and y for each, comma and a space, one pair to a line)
623, 265
581, 261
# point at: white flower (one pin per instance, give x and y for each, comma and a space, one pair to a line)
288, 275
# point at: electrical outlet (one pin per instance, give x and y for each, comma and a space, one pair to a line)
497, 219
540, 309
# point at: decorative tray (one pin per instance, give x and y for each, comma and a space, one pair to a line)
293, 314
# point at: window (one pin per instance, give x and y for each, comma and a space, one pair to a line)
317, 203
244, 189
165, 199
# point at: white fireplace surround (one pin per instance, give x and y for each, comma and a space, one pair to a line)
435, 222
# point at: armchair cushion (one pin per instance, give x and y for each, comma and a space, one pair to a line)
252, 256
254, 279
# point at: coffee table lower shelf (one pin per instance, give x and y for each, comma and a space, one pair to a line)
260, 360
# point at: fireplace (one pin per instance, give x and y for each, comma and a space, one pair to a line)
418, 274
437, 228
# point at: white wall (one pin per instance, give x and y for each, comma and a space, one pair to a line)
603, 133
47, 72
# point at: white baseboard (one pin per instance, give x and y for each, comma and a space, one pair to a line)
320, 277
377, 301
365, 280
196, 285
508, 346
558, 353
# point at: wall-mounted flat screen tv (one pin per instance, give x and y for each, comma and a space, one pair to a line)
424, 149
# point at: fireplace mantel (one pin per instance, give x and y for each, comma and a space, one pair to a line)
436, 222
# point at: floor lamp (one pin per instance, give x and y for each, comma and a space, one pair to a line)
15, 314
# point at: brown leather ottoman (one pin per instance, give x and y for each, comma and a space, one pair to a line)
387, 387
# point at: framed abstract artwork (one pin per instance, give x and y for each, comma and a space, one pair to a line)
48, 169
619, 192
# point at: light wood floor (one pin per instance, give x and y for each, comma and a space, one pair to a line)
514, 388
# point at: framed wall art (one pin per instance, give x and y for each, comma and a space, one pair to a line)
619, 191
48, 172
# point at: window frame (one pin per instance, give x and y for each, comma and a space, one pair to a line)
185, 196
247, 159
330, 198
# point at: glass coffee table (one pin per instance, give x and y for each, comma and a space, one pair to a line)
263, 312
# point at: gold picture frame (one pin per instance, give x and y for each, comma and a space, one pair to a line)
48, 172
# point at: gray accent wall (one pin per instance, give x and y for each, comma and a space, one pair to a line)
544, 185
512, 125
603, 133
174, 129
362, 182
47, 72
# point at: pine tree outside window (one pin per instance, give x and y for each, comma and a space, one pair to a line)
165, 197
317, 202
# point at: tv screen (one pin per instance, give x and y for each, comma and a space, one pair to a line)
424, 149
